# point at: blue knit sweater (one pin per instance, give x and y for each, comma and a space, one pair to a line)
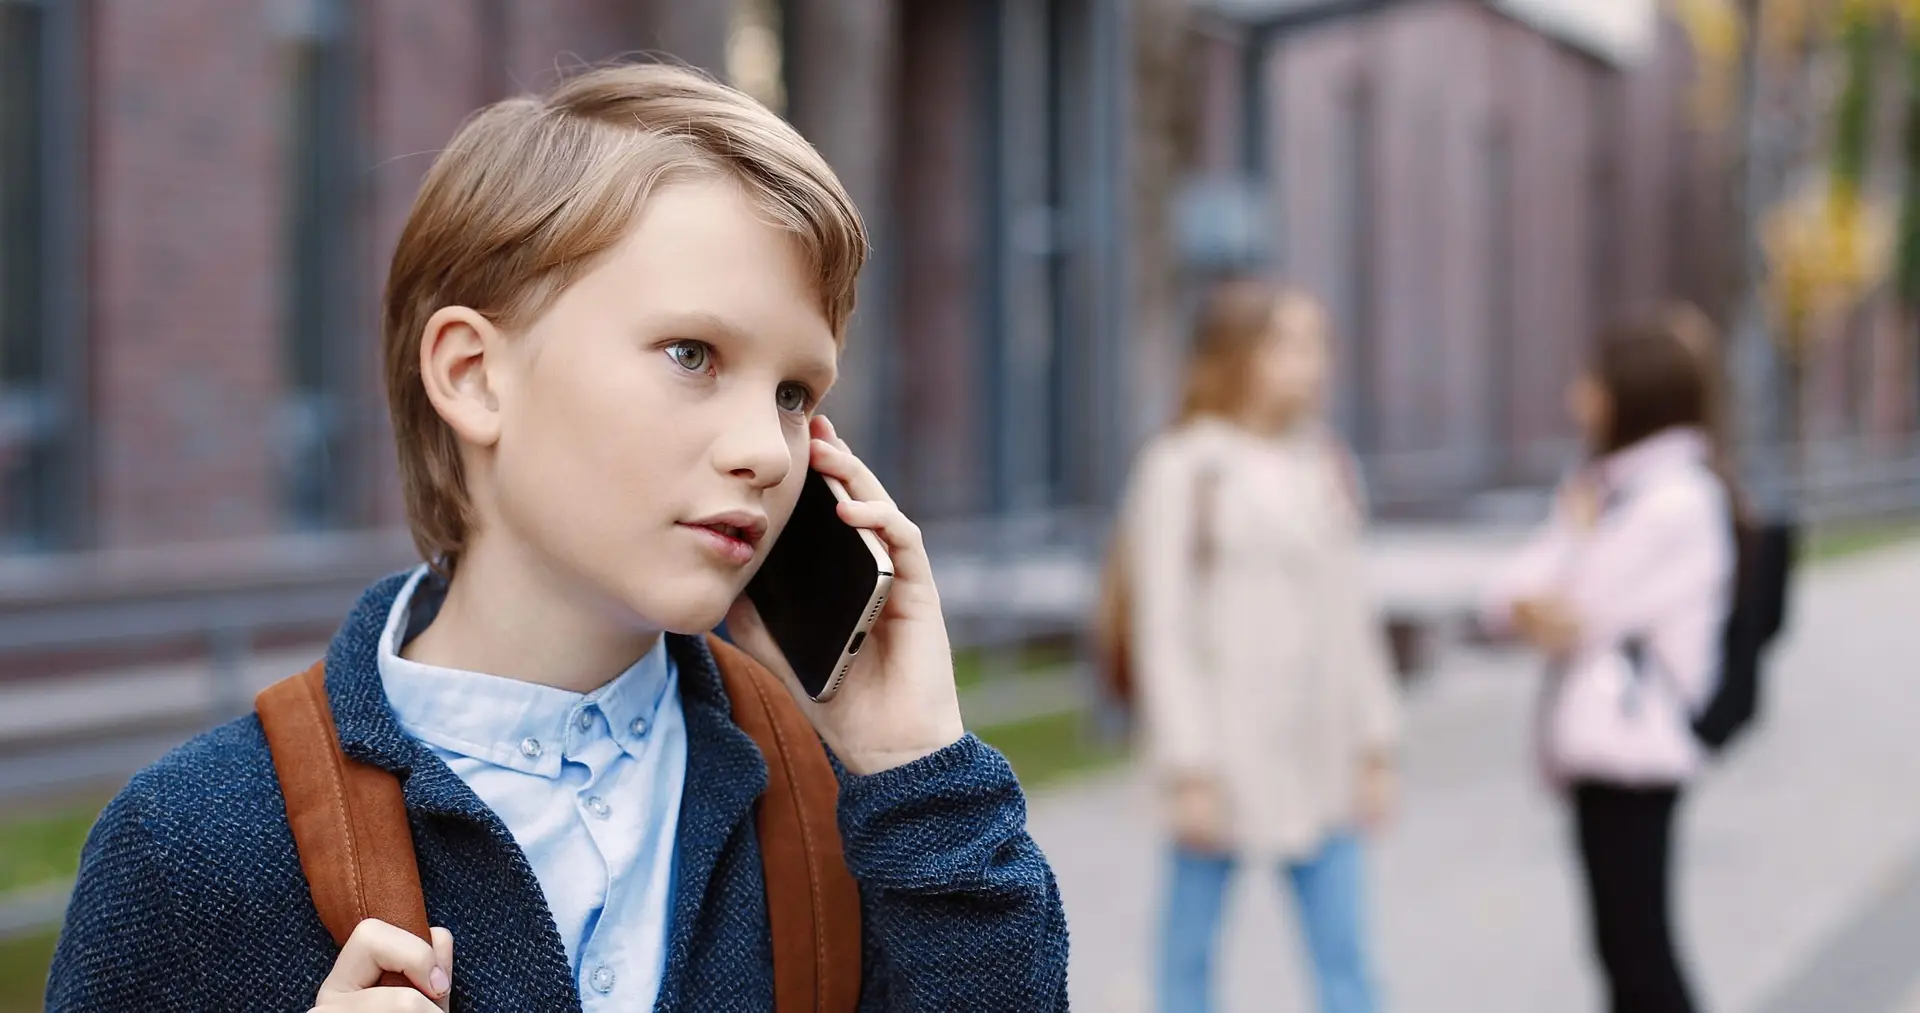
191, 898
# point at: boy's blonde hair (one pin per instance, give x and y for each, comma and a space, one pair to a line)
533, 189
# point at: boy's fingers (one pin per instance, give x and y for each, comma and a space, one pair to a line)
843, 464
380, 1000
830, 434
376, 946
905, 542
443, 964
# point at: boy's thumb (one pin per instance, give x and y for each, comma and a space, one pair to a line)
442, 978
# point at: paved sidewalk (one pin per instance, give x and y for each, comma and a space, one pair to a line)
1798, 855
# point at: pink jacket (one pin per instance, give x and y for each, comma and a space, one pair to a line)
1657, 564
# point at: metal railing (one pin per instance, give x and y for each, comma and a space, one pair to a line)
223, 597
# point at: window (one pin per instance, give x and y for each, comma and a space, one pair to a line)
319, 309
26, 374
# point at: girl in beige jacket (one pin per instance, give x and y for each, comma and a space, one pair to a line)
1268, 705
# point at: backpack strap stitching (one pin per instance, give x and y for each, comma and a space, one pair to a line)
808, 839
322, 721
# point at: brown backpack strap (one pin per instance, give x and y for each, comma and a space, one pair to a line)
813, 905
349, 819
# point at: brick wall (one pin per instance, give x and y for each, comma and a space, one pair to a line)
938, 261
186, 225
189, 239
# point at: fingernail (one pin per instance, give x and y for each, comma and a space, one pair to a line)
438, 982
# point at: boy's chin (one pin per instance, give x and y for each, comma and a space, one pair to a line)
687, 611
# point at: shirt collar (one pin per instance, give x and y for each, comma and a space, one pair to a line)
1682, 445
510, 723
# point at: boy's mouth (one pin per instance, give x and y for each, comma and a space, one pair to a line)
739, 526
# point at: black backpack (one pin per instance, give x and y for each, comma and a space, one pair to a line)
1763, 571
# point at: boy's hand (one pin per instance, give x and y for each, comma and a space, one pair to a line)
898, 703
377, 947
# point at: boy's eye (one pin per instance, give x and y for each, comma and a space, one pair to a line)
793, 397
692, 356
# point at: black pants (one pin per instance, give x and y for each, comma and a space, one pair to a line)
1626, 837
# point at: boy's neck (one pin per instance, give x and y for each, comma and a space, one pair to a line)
506, 617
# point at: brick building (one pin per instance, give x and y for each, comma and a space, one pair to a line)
200, 196
1474, 189
197, 200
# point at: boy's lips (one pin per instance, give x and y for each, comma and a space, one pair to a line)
740, 525
731, 536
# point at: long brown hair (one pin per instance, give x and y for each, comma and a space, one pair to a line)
1236, 319
1662, 374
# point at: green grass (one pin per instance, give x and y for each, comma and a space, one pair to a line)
23, 972
37, 847
1838, 541
44, 846
974, 665
1046, 749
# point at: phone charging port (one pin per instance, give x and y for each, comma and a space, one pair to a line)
853, 646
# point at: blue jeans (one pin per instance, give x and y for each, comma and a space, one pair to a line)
1327, 891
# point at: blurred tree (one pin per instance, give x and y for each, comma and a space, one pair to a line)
1795, 84
1906, 270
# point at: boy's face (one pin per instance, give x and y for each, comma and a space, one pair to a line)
659, 407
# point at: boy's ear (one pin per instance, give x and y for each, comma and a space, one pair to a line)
461, 353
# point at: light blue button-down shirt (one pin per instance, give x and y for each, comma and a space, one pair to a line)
589, 785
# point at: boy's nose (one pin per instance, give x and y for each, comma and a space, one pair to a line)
757, 452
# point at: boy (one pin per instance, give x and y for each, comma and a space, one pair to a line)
609, 320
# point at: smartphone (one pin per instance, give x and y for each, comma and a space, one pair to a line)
822, 587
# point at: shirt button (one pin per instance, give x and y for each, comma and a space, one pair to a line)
639, 726
601, 979
598, 806
585, 720
530, 748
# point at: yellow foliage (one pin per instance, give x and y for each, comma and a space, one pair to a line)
1714, 27
1826, 249
1717, 29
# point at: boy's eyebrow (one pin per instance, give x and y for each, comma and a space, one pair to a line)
697, 322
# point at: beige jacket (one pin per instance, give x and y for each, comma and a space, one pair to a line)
1264, 663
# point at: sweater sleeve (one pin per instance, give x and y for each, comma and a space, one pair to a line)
960, 909
118, 949
1378, 715
1162, 531
1377, 712
1536, 569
